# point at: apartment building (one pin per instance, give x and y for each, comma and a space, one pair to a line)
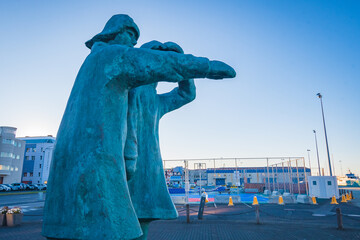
11, 156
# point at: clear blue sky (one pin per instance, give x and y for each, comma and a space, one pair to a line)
284, 52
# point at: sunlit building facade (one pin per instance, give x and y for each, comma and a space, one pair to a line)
11, 156
37, 159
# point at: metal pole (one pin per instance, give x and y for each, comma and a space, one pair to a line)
236, 174
277, 177
283, 171
297, 174
273, 177
306, 182
187, 185
214, 174
341, 168
309, 160
327, 146
200, 181
267, 170
290, 177
317, 152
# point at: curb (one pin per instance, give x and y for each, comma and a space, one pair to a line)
20, 193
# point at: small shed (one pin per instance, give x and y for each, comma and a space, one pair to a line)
324, 187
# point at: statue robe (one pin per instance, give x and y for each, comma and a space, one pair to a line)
147, 185
87, 195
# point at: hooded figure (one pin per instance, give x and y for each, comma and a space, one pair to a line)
87, 195
147, 184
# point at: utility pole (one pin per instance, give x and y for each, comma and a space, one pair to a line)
327, 145
317, 152
308, 151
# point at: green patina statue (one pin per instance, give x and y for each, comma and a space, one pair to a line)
88, 195
145, 172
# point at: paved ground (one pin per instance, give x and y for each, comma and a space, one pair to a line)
277, 222
292, 221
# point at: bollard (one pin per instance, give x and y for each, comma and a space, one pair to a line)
257, 214
41, 196
201, 208
187, 213
339, 219
351, 194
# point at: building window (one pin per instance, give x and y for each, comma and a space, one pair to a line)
19, 145
28, 149
34, 149
32, 157
31, 174
39, 174
17, 156
27, 158
25, 174
40, 165
329, 183
41, 157
314, 183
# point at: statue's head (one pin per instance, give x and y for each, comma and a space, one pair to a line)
120, 29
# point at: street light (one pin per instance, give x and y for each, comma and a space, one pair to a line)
317, 152
327, 146
308, 151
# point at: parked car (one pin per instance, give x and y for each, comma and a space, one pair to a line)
17, 185
24, 186
30, 187
40, 186
33, 187
13, 188
4, 188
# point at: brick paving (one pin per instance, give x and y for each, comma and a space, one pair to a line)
277, 222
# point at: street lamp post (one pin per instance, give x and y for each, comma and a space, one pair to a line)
308, 151
327, 146
317, 152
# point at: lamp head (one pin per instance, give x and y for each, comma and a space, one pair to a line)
319, 95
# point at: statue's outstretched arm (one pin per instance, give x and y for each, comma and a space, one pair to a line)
137, 66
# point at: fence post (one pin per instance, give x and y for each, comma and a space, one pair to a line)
187, 213
339, 219
201, 207
257, 214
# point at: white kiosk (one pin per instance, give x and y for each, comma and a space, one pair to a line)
324, 187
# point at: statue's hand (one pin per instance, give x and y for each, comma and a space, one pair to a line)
130, 168
173, 47
154, 45
220, 70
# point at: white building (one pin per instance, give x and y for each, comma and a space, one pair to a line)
323, 187
11, 156
37, 159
